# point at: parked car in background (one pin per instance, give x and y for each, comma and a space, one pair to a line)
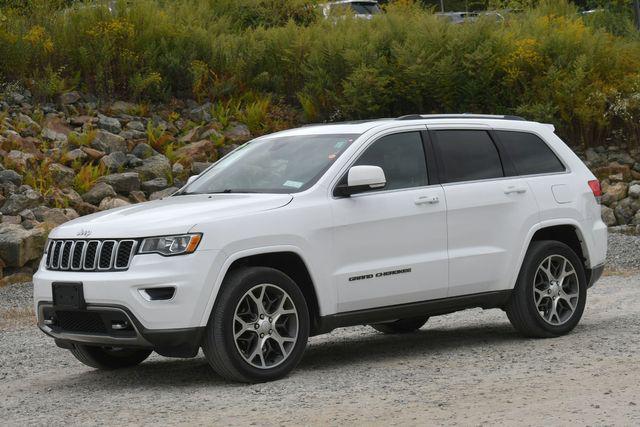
462, 17
357, 8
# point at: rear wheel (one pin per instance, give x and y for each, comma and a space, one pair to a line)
259, 327
551, 291
401, 326
109, 357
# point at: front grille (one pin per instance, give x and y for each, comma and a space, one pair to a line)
90, 255
80, 321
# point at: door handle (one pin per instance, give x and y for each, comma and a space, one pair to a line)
513, 189
426, 200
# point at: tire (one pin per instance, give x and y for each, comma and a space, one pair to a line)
109, 358
263, 351
401, 326
538, 320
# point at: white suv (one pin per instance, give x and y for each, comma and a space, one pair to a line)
294, 234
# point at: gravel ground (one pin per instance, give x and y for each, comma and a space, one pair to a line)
467, 368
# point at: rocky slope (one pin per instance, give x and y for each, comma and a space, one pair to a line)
78, 156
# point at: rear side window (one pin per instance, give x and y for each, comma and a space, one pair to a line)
467, 155
401, 157
530, 154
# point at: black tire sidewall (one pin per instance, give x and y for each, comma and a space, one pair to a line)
238, 284
525, 283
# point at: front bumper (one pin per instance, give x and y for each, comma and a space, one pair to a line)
192, 276
94, 325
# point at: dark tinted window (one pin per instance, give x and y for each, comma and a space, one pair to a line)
529, 153
467, 155
401, 157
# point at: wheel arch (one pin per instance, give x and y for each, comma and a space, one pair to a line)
289, 261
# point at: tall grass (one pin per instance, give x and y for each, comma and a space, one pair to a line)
547, 64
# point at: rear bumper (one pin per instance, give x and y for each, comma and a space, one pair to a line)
594, 274
94, 325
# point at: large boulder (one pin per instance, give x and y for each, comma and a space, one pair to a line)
143, 151
154, 185
625, 210
237, 133
634, 191
108, 142
157, 166
112, 202
63, 176
114, 161
54, 216
123, 183
17, 202
608, 216
199, 151
12, 176
109, 124
18, 246
614, 192
98, 192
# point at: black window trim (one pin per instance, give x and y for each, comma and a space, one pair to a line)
508, 169
430, 164
496, 137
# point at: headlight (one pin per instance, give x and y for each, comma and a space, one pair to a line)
171, 245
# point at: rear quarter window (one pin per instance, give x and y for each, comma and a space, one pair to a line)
529, 153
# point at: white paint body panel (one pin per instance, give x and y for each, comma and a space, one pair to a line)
473, 239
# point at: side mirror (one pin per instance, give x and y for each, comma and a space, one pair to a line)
362, 178
191, 179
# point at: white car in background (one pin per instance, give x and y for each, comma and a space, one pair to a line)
358, 9
380, 222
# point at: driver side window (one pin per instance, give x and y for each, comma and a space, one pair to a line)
401, 157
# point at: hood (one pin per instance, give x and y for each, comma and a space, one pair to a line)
171, 215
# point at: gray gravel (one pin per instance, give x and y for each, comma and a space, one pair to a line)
467, 368
623, 252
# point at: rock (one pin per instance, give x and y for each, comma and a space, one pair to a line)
622, 158
625, 210
154, 185
122, 107
55, 216
608, 216
114, 161
69, 98
133, 134
143, 151
76, 155
18, 202
109, 124
634, 191
615, 192
177, 169
19, 159
201, 113
27, 125
63, 176
192, 135
137, 197
9, 175
11, 219
136, 125
55, 129
98, 192
237, 133
163, 193
157, 166
84, 208
27, 214
198, 167
199, 151
108, 142
19, 246
133, 161
226, 149
93, 153
122, 183
111, 203
82, 121
211, 134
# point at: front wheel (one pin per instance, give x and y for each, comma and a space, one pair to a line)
259, 326
109, 357
550, 294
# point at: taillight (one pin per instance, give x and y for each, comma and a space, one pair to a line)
596, 189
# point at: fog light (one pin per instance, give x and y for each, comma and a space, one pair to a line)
119, 325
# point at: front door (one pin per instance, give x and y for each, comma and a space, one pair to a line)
390, 245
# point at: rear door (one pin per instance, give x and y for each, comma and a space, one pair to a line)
489, 210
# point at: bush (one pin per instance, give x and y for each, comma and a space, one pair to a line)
246, 56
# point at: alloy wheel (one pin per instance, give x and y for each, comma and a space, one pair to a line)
265, 326
556, 290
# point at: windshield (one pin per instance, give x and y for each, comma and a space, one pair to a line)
286, 164
365, 8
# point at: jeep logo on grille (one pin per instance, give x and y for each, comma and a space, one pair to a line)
84, 233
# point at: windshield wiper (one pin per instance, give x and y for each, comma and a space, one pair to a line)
231, 190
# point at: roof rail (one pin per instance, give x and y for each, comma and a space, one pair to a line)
458, 116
